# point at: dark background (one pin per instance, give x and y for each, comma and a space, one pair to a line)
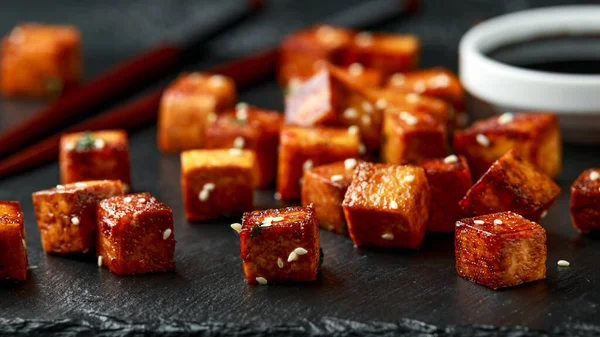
362, 285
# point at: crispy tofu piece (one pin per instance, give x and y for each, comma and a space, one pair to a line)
252, 128
187, 104
280, 245
135, 235
387, 206
98, 155
511, 184
536, 136
410, 137
389, 53
449, 180
301, 149
500, 250
40, 60
66, 214
217, 182
585, 201
13, 247
324, 187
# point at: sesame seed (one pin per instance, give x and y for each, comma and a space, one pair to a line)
326, 34
261, 280
478, 222
99, 143
212, 117
267, 219
203, 195
80, 185
294, 84
355, 69
60, 187
127, 199
563, 263
217, 80
544, 213
279, 262
353, 129
397, 79
241, 106
239, 142
594, 175
419, 87
100, 261
307, 165
366, 119
381, 104
367, 106
32, 267
24, 243
498, 222
337, 177
362, 149
364, 39
69, 146
440, 81
412, 98
506, 118
482, 140
408, 118
393, 204
350, 163
292, 257
209, 186
451, 159
235, 152
277, 196
268, 224
387, 236
350, 113
300, 251
75, 220
278, 219
409, 178
236, 227
141, 200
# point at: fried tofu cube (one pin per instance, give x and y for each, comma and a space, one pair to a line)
187, 104
355, 74
511, 184
500, 250
135, 235
280, 245
40, 60
585, 201
13, 248
387, 206
98, 155
411, 137
66, 214
301, 149
324, 187
389, 53
252, 128
449, 180
217, 182
536, 136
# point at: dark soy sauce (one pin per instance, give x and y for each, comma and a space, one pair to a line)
566, 54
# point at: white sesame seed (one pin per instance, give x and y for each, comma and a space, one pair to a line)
409, 178
544, 213
60, 187
32, 267
497, 221
100, 261
482, 140
388, 236
393, 204
307, 165
267, 219
203, 195
212, 117
294, 84
337, 177
265, 225
167, 233
24, 243
75, 220
80, 185
451, 159
300, 251
239, 142
362, 149
350, 113
292, 257
69, 146
355, 69
278, 219
277, 196
235, 152
367, 107
217, 80
419, 87
99, 143
364, 39
397, 79
141, 200
261, 280
366, 119
440, 81
381, 104
279, 262
236, 226
326, 34
353, 129
127, 199
478, 222
563, 263
209, 186
594, 175
350, 163
409, 118
506, 118
241, 106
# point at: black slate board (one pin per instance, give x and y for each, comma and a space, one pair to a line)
357, 290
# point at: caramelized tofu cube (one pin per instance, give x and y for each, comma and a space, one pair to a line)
301, 149
389, 53
13, 249
40, 60
535, 135
252, 128
99, 155
66, 214
449, 180
356, 74
217, 182
511, 184
187, 104
410, 137
280, 245
500, 250
585, 201
324, 187
135, 235
387, 206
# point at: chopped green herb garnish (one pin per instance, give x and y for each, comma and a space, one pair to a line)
85, 142
255, 231
54, 86
321, 257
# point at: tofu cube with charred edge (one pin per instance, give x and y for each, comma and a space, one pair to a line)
511, 184
66, 214
387, 206
410, 137
280, 245
187, 104
301, 149
389, 53
40, 60
13, 249
324, 187
217, 182
585, 201
449, 180
253, 128
500, 250
98, 155
135, 235
535, 135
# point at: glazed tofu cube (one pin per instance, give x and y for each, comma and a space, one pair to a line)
356, 74
280, 245
13, 248
66, 214
410, 137
217, 182
585, 201
40, 60
511, 184
187, 104
252, 128
535, 135
301, 149
135, 235
389, 53
98, 155
500, 250
449, 180
324, 187
387, 206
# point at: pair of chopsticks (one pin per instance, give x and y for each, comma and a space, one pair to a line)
135, 114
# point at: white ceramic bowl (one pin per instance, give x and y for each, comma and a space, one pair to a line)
495, 87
